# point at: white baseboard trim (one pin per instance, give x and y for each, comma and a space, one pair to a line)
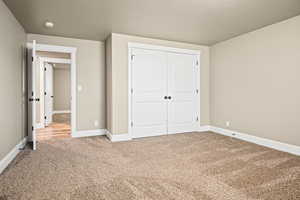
89, 133
293, 149
11, 155
118, 137
127, 136
204, 128
61, 111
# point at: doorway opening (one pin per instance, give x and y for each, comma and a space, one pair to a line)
51, 92
54, 109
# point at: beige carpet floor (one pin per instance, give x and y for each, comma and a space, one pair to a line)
202, 166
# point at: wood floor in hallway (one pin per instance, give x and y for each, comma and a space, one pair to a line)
54, 131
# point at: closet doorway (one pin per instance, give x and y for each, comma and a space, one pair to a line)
164, 90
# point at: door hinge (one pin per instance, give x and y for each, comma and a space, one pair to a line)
32, 58
32, 94
197, 91
32, 128
132, 57
197, 63
45, 117
45, 69
197, 119
131, 124
131, 90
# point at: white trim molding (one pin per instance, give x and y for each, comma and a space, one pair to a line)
89, 133
55, 60
204, 128
11, 155
162, 48
61, 112
118, 137
52, 48
293, 149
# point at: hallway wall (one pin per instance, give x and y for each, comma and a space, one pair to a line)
61, 87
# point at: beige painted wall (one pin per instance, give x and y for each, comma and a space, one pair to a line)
255, 82
12, 75
90, 75
120, 78
62, 87
53, 54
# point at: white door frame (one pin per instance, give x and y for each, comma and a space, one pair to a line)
44, 60
72, 51
132, 45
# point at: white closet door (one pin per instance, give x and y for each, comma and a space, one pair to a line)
149, 87
182, 88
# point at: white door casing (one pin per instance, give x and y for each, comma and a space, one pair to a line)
158, 72
48, 93
149, 86
32, 98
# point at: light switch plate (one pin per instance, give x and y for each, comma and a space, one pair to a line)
96, 123
79, 88
227, 124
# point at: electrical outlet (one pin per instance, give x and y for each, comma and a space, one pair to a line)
96, 123
227, 124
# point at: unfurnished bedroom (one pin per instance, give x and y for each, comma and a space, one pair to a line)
150, 100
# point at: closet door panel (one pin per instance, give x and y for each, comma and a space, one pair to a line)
182, 88
149, 86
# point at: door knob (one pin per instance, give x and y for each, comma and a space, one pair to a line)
165, 97
169, 97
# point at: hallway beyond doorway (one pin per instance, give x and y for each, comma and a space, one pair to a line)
58, 129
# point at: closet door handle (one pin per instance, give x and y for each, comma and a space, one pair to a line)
165, 97
169, 97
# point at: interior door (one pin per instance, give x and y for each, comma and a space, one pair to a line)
149, 89
182, 93
31, 70
48, 93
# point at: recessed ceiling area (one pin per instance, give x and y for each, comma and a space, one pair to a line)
195, 21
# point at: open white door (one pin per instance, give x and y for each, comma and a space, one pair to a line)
48, 93
31, 70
